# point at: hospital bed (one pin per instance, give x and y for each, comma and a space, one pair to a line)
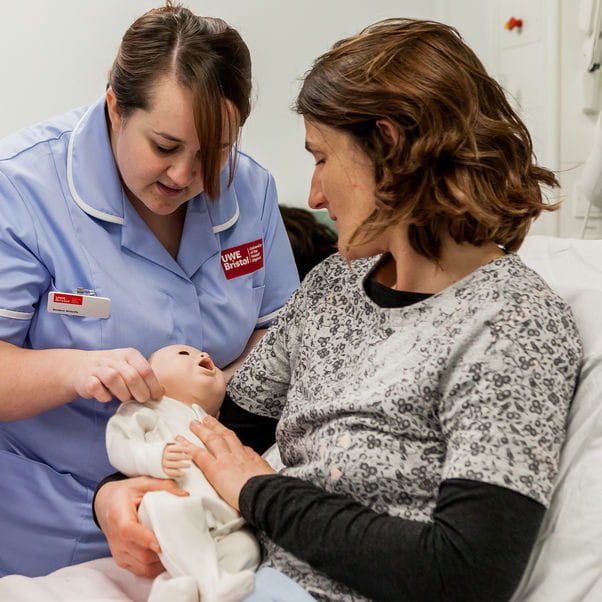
566, 562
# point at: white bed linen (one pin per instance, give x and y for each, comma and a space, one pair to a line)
566, 563
94, 581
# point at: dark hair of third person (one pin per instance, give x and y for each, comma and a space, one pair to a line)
311, 240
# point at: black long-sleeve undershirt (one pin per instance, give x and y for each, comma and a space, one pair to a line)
475, 548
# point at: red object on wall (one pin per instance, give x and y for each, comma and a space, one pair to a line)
511, 23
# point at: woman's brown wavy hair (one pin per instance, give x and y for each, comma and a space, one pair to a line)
463, 161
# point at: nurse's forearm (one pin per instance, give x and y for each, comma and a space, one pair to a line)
33, 381
253, 340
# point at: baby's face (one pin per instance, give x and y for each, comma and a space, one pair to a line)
189, 375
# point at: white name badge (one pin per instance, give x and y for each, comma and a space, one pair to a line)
74, 304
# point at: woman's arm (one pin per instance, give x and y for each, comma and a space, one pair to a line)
33, 381
475, 548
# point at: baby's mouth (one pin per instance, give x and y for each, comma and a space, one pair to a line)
207, 364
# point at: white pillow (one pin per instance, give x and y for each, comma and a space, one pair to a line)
566, 562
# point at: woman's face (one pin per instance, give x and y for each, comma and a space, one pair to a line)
157, 150
343, 183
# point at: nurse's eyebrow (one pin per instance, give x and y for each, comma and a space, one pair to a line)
167, 136
308, 147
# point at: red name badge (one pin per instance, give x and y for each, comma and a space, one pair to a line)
243, 259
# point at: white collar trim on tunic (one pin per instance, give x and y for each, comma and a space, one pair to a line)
226, 210
78, 199
227, 224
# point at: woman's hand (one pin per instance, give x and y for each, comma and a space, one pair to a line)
227, 463
133, 546
121, 373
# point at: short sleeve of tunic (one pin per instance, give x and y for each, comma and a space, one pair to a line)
506, 394
280, 276
22, 274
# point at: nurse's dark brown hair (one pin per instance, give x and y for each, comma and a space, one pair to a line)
205, 55
463, 160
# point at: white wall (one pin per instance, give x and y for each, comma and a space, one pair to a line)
474, 20
56, 56
576, 127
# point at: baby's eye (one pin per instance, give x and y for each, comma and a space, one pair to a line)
183, 353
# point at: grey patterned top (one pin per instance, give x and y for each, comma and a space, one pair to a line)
384, 404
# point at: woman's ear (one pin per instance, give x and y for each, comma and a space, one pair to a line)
388, 130
113, 110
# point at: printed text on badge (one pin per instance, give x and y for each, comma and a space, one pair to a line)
243, 259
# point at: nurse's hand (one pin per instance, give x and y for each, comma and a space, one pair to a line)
227, 463
133, 546
121, 373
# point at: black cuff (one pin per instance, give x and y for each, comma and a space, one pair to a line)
116, 476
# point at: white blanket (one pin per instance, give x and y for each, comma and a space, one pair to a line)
94, 581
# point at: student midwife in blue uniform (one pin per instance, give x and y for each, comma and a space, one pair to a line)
127, 225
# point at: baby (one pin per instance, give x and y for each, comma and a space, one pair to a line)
205, 548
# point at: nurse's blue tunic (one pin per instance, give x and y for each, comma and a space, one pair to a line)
65, 223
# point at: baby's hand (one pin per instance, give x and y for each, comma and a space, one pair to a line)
176, 459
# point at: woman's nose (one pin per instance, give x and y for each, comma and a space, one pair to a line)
316, 199
183, 172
